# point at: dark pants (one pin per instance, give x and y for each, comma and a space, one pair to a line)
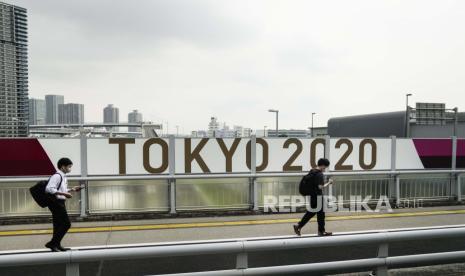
320, 215
61, 223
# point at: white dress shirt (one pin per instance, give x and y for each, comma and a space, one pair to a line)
54, 182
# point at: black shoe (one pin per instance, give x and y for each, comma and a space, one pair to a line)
61, 248
325, 233
52, 247
296, 229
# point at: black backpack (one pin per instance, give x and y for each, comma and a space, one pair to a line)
307, 184
39, 194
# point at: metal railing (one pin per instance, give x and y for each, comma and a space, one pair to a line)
173, 193
429, 186
127, 196
242, 247
16, 200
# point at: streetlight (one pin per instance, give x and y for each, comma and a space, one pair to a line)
407, 115
313, 113
264, 131
277, 116
406, 98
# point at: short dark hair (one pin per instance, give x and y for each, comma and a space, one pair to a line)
64, 162
323, 162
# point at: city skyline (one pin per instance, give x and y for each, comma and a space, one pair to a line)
187, 137
302, 63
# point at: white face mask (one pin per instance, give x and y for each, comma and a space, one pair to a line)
66, 170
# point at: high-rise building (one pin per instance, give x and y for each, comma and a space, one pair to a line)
111, 115
71, 113
51, 105
134, 117
36, 111
14, 105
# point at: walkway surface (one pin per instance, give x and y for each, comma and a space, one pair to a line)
16, 237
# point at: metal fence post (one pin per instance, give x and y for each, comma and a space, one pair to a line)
459, 188
392, 181
253, 170
454, 191
84, 192
329, 191
327, 146
393, 152
172, 171
383, 252
409, 112
242, 261
72, 269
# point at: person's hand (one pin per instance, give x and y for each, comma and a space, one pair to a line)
330, 181
68, 195
77, 189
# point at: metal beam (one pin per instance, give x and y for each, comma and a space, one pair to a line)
90, 125
172, 172
253, 171
392, 181
454, 187
84, 192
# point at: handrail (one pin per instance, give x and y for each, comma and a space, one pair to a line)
244, 246
231, 175
257, 238
338, 266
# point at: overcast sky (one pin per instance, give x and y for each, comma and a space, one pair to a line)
185, 61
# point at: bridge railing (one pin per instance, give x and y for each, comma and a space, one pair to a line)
242, 247
179, 193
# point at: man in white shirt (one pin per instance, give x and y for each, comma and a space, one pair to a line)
57, 187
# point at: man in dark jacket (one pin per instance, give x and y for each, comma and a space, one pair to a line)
317, 182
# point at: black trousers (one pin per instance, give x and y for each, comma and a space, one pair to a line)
61, 223
320, 214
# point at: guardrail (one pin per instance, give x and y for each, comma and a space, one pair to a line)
174, 193
241, 247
